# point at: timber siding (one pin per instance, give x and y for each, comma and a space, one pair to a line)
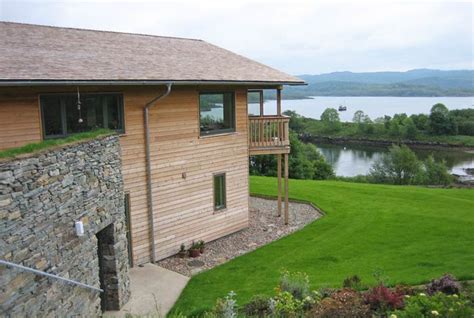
184, 207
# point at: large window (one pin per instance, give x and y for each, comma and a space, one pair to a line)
219, 191
62, 117
217, 113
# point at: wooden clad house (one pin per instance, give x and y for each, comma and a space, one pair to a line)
179, 105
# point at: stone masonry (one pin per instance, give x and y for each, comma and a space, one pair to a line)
41, 197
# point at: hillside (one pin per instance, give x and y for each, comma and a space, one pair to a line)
421, 82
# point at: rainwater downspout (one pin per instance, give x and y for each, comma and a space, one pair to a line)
148, 167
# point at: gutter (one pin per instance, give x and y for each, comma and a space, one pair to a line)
141, 82
148, 167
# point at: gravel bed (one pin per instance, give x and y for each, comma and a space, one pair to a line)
264, 227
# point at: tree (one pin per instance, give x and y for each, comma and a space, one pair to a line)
359, 117
398, 166
435, 173
305, 162
409, 129
420, 121
441, 123
296, 120
330, 119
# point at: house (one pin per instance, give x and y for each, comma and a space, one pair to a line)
180, 107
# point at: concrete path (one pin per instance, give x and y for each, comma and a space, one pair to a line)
154, 290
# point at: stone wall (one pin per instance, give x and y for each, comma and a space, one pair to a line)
41, 197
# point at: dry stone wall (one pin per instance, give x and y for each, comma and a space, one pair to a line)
41, 197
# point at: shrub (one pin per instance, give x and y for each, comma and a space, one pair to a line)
447, 284
225, 308
399, 166
297, 284
343, 303
382, 299
438, 305
352, 282
285, 305
259, 306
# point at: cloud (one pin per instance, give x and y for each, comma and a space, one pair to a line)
295, 36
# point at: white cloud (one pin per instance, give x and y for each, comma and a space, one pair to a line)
295, 36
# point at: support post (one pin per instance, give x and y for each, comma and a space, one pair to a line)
279, 101
261, 104
279, 183
286, 189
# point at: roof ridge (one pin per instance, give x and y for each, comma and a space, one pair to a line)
104, 31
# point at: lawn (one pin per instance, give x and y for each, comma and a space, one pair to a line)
409, 234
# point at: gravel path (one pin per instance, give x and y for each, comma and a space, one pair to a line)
264, 227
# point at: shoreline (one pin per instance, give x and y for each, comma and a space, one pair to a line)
383, 142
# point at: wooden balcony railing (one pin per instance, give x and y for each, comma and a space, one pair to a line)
269, 134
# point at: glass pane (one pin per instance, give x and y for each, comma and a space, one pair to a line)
253, 103
89, 117
114, 116
51, 106
219, 191
216, 112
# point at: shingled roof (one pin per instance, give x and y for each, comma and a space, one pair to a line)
44, 53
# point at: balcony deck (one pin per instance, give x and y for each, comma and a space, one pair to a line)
269, 135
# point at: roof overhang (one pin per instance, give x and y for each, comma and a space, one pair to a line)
141, 83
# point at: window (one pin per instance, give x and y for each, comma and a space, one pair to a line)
61, 116
219, 191
216, 113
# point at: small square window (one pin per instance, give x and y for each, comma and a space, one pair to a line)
219, 191
216, 113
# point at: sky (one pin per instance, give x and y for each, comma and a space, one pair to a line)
295, 36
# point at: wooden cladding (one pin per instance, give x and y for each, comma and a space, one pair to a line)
269, 134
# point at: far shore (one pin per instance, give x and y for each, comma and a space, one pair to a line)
383, 143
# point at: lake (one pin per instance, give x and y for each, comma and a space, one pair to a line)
352, 160
372, 106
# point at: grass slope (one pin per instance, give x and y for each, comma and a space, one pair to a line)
51, 143
412, 234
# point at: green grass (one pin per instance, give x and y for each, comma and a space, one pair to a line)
412, 234
46, 144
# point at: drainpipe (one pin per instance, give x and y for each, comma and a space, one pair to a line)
148, 167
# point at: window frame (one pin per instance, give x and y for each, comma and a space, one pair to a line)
121, 112
233, 119
224, 190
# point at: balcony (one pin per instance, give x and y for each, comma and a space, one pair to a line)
269, 135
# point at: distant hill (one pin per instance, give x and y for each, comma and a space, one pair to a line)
419, 82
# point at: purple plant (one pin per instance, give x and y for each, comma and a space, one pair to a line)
447, 284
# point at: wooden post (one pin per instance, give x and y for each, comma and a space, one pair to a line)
261, 103
286, 189
279, 101
279, 183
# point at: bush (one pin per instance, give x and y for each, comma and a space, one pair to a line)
259, 306
225, 308
343, 303
399, 166
447, 284
297, 284
352, 282
438, 305
285, 305
382, 299
435, 172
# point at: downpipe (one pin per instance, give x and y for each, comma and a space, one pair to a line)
151, 218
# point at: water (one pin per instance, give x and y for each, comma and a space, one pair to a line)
372, 106
352, 160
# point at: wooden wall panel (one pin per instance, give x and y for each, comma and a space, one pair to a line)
19, 120
183, 206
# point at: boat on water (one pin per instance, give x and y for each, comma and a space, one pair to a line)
342, 108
